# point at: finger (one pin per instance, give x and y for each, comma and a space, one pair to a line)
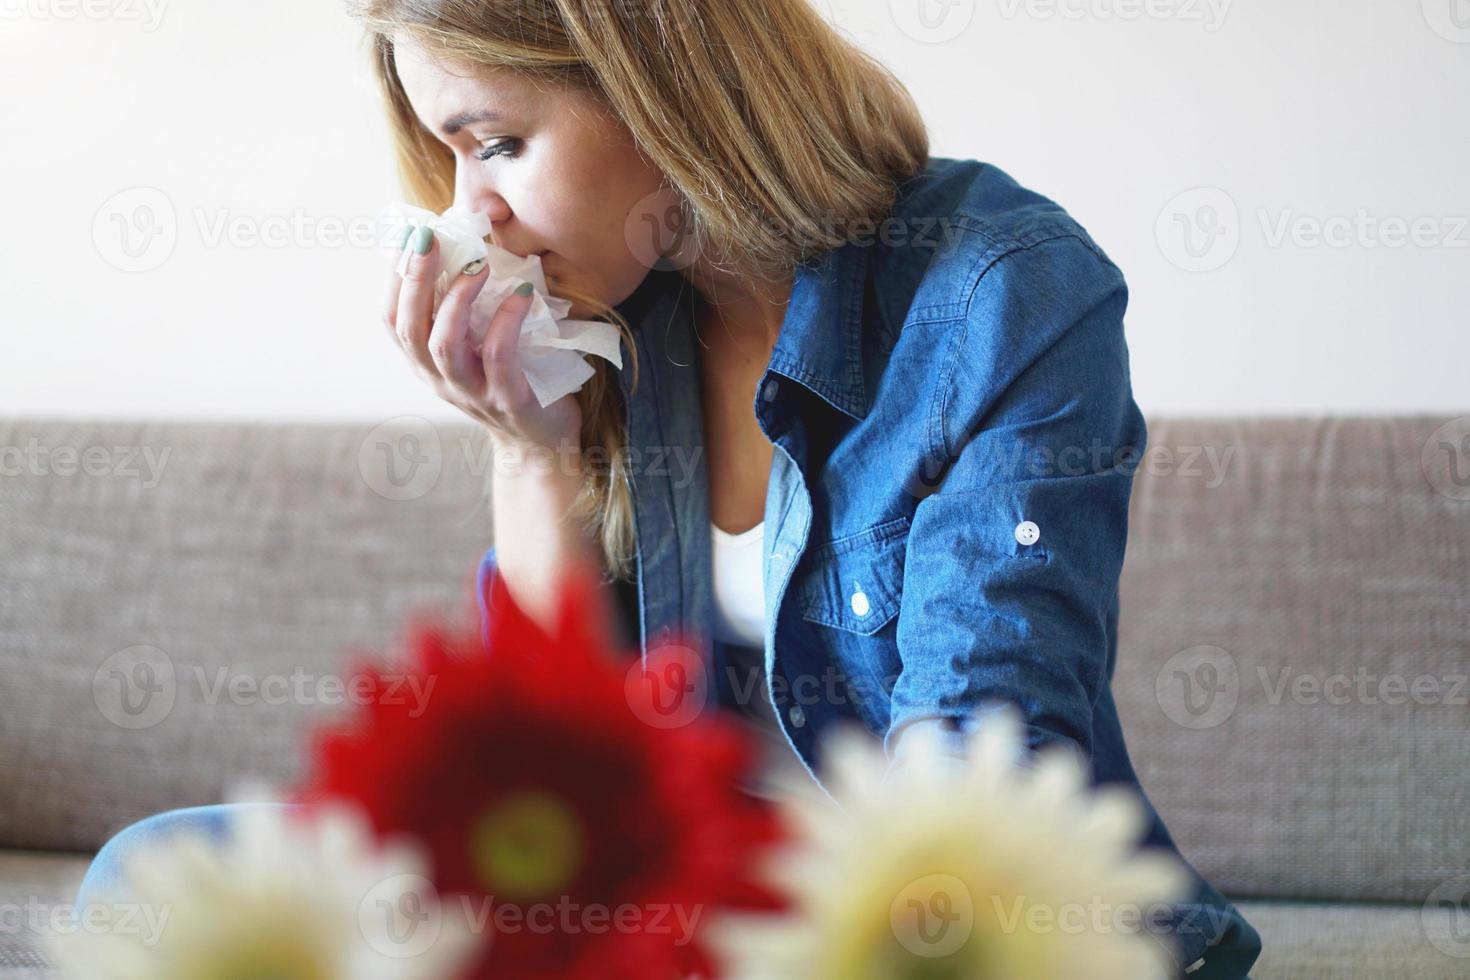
395, 283
449, 344
416, 300
499, 352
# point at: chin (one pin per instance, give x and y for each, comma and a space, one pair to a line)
579, 312
558, 285
554, 286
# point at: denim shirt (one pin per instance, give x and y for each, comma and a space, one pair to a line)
954, 436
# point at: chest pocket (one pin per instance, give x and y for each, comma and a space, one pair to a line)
855, 583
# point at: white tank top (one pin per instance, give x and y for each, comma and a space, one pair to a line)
739, 585
739, 620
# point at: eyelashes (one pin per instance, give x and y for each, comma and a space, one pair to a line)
500, 149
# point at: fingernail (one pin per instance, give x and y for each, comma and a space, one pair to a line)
473, 269
403, 237
525, 289
423, 240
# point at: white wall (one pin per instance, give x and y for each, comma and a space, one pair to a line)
260, 115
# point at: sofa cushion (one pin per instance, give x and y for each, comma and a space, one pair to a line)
36, 890
1300, 940
1339, 941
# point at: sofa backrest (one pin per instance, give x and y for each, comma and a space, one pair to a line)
1294, 636
1294, 645
175, 615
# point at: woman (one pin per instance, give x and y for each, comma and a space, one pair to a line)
875, 433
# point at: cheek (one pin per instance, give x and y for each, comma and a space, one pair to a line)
584, 221
591, 248
611, 277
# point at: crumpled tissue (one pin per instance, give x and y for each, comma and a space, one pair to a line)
551, 347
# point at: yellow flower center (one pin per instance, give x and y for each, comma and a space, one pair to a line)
280, 957
527, 845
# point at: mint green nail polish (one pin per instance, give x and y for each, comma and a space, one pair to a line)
403, 237
423, 240
524, 289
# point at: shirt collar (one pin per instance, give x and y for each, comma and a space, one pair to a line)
820, 342
819, 345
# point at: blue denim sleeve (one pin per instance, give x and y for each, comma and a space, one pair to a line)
1012, 563
622, 596
483, 578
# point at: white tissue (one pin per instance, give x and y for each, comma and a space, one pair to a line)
551, 347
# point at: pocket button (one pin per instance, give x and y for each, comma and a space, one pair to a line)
860, 604
1027, 532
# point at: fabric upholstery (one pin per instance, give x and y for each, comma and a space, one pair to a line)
258, 556
1261, 552
1324, 551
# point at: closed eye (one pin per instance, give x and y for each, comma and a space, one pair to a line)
500, 148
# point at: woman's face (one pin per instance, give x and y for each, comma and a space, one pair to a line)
559, 175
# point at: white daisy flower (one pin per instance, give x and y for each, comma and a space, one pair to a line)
982, 865
290, 896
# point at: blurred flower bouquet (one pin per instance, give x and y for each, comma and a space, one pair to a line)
528, 820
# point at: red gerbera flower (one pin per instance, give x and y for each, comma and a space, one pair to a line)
526, 772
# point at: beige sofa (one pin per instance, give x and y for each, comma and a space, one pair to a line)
1289, 582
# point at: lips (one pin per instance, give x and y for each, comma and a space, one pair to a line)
519, 254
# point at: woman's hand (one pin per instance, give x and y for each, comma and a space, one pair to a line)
487, 384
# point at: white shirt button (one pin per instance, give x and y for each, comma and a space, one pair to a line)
798, 717
860, 604
769, 391
1027, 532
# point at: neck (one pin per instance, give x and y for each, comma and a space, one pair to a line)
744, 309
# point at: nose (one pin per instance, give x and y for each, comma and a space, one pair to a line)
473, 191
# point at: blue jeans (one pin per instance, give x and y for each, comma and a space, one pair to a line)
103, 882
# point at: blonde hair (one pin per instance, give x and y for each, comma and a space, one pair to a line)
776, 132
